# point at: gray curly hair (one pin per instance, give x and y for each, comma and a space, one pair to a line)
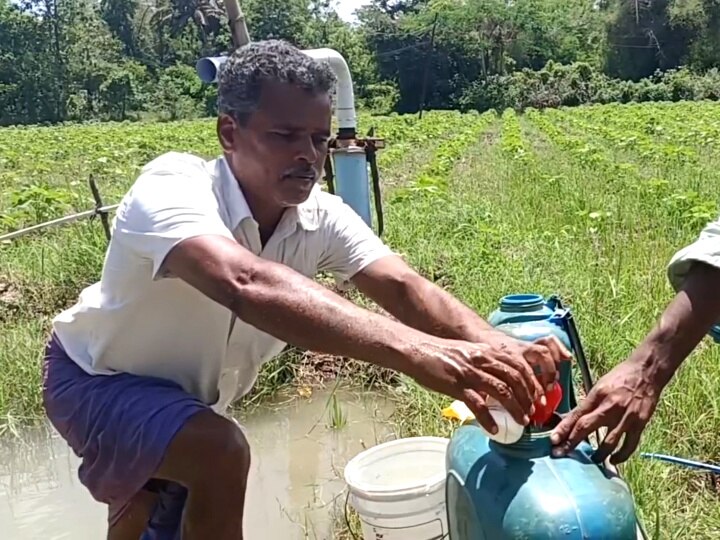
242, 76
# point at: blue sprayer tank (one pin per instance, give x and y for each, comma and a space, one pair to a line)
519, 491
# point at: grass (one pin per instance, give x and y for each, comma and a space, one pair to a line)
589, 203
337, 416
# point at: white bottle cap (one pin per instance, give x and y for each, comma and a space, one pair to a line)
509, 431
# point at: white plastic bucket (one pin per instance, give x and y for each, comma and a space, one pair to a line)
398, 489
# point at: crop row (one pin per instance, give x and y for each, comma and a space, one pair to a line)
625, 168
511, 140
404, 132
588, 153
44, 170
686, 124
433, 177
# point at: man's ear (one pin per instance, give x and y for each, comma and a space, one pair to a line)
226, 131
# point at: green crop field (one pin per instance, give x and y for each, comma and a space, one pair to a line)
589, 203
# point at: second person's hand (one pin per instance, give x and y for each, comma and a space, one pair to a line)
623, 401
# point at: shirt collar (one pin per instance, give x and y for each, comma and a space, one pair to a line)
305, 214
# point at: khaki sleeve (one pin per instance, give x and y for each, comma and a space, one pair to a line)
705, 249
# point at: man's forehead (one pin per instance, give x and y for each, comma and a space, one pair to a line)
292, 103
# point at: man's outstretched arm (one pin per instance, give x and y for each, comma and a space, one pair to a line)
420, 303
299, 311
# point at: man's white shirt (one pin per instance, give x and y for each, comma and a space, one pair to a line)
135, 320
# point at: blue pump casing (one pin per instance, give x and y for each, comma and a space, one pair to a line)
352, 183
519, 491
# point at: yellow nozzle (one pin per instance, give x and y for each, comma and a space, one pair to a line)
458, 411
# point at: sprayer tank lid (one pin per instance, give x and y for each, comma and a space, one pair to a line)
519, 303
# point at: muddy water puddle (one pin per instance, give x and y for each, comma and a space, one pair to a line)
300, 446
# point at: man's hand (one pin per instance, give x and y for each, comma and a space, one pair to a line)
501, 368
623, 401
421, 304
544, 355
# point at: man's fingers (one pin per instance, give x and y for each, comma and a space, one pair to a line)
477, 405
609, 443
632, 439
543, 365
503, 394
564, 428
584, 426
557, 348
531, 381
567, 425
515, 381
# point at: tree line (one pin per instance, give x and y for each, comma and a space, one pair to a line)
83, 60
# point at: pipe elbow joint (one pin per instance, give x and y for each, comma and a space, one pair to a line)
208, 69
345, 107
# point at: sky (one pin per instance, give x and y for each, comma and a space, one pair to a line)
345, 8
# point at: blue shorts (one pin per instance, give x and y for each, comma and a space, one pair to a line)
120, 426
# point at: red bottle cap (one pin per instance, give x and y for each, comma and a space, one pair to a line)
543, 414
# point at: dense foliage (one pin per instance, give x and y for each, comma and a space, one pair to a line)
77, 60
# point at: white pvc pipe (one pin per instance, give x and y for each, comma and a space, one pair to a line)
208, 68
345, 111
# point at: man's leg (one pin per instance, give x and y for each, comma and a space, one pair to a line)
130, 430
211, 458
133, 519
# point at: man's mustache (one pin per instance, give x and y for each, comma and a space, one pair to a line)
305, 172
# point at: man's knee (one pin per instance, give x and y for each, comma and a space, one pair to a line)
226, 449
209, 449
